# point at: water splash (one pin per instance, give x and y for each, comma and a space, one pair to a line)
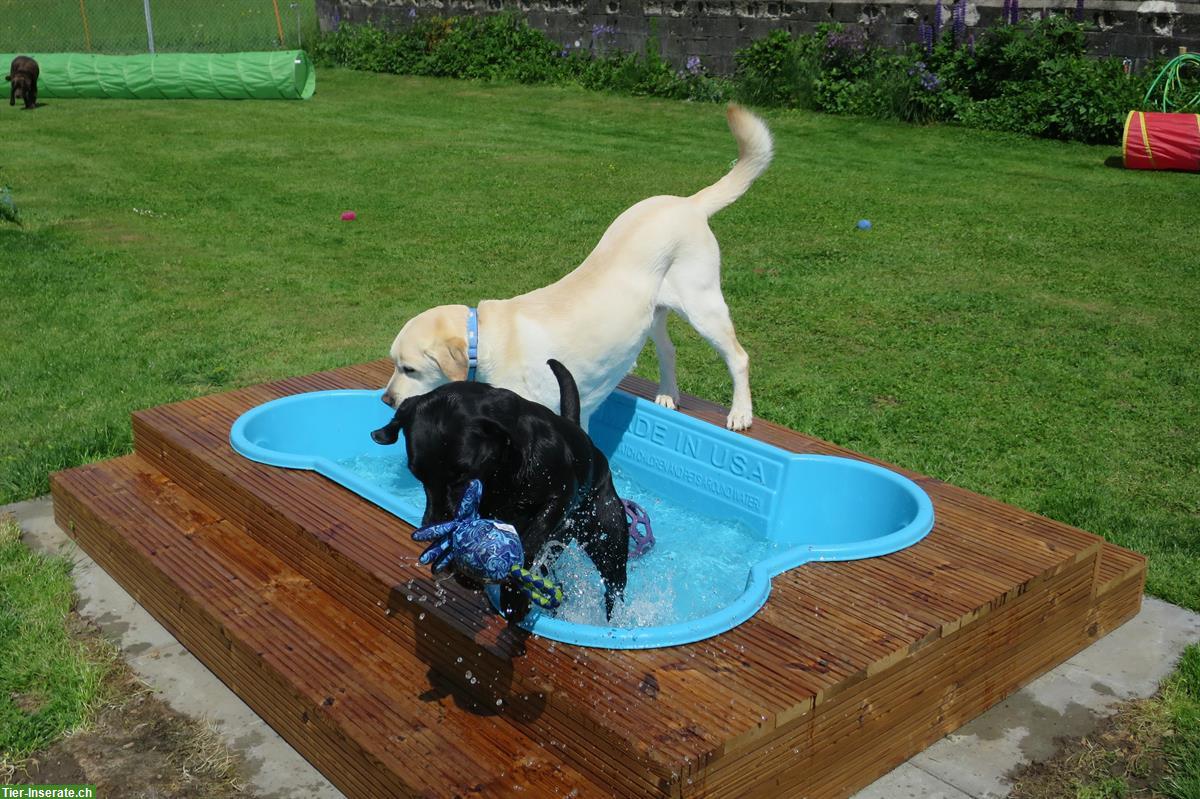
699, 563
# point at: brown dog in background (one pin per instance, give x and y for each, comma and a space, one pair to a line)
23, 74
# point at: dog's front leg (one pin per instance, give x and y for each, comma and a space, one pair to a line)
608, 547
668, 389
514, 604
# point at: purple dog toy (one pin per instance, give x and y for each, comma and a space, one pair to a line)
641, 536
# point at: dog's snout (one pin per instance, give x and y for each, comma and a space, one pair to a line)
387, 399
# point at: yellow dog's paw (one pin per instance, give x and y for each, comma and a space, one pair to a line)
739, 419
665, 400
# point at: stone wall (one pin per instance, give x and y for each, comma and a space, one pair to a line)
714, 30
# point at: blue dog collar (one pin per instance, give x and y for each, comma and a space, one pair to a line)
472, 342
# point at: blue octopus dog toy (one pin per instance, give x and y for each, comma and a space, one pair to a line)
485, 550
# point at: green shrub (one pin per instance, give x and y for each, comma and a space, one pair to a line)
1032, 78
646, 73
846, 62
504, 47
500, 47
775, 71
1010, 53
1071, 97
906, 89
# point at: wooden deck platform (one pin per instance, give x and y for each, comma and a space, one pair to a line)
308, 602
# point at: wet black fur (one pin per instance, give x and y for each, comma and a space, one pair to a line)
541, 473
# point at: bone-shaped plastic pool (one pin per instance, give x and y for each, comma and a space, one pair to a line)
729, 512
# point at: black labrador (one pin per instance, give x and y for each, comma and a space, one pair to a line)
23, 75
541, 473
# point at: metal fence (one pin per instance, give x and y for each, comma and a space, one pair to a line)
139, 26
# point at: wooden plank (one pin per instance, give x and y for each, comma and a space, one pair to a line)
446, 640
850, 741
979, 563
1118, 566
644, 723
346, 700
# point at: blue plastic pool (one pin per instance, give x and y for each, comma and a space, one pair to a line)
729, 512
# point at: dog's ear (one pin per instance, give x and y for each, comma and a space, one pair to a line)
390, 432
451, 357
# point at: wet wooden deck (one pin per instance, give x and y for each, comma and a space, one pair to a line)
308, 602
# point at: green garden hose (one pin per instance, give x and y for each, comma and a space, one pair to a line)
1170, 79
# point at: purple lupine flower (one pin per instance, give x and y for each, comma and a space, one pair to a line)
1014, 10
937, 21
971, 43
925, 32
848, 41
1079, 10
960, 21
1006, 14
693, 65
603, 35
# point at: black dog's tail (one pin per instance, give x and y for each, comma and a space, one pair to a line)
568, 392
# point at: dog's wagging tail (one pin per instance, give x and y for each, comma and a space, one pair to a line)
755, 148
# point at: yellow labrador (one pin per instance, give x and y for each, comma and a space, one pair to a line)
658, 256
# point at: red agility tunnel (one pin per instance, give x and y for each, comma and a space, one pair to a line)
1162, 141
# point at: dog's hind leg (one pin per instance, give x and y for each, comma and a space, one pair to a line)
668, 389
710, 317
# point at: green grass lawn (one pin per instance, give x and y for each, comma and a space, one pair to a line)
50, 682
1182, 700
1021, 321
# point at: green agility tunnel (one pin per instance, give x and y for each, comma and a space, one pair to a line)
275, 75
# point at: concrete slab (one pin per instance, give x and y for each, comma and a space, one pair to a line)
1135, 658
1068, 701
910, 782
973, 762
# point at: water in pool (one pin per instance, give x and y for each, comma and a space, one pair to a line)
699, 563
